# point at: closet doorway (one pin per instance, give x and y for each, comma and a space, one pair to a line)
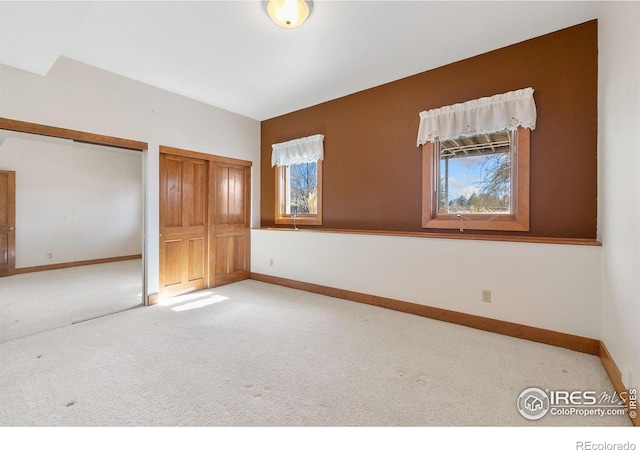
205, 205
73, 240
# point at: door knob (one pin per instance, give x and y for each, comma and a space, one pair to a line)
8, 228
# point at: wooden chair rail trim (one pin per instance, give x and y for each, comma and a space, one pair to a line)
64, 133
206, 156
66, 265
465, 236
569, 341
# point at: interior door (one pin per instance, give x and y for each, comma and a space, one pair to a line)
230, 223
183, 224
7, 222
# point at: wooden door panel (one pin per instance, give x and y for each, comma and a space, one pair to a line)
172, 204
4, 198
221, 175
172, 256
231, 253
231, 263
7, 222
196, 258
183, 232
230, 226
236, 196
222, 256
183, 224
240, 253
4, 252
194, 196
230, 195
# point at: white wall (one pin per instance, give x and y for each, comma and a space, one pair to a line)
619, 182
84, 98
556, 287
75, 201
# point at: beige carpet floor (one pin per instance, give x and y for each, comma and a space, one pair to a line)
38, 301
254, 354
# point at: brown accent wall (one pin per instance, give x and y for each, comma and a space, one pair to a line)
372, 167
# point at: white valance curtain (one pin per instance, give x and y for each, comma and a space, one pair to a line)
484, 115
298, 151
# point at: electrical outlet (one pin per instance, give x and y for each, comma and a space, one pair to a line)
486, 296
49, 255
271, 263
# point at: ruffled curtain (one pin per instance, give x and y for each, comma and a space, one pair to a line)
482, 116
298, 151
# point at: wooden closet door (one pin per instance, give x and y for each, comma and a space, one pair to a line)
183, 224
230, 248
7, 222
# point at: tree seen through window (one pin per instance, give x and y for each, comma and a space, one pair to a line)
302, 187
475, 175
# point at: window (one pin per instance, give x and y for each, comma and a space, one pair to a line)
477, 183
299, 193
475, 174
298, 166
478, 180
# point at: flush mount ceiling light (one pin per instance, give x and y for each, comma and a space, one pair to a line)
289, 13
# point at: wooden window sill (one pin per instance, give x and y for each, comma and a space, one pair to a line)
468, 237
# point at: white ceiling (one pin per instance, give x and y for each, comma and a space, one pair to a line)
230, 55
